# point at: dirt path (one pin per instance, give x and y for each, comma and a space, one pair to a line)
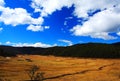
81, 72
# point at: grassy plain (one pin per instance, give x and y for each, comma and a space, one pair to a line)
61, 68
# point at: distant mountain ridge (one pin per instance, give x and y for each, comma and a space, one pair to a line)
88, 50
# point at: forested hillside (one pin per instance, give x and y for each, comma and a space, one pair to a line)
89, 50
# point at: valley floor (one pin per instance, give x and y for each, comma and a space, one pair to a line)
60, 68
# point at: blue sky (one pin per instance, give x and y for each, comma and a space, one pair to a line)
47, 23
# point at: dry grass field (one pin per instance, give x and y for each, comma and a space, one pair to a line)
60, 68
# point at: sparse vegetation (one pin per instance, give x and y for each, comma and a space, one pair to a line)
2, 79
34, 74
59, 69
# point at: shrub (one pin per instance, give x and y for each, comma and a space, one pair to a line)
34, 75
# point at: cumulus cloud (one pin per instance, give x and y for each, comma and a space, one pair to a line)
82, 7
46, 27
37, 44
47, 7
1, 29
19, 16
66, 41
100, 25
36, 28
118, 33
2, 2
8, 42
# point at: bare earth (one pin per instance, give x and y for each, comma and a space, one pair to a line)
61, 69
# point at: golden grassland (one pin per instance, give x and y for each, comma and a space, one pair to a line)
61, 68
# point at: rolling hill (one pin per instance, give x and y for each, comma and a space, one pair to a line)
88, 50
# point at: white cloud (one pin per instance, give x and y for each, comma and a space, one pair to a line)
18, 16
8, 42
118, 33
100, 25
66, 41
65, 23
47, 27
35, 28
1, 29
47, 7
82, 7
37, 44
2, 2
69, 18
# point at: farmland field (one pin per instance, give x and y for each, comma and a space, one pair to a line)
60, 68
